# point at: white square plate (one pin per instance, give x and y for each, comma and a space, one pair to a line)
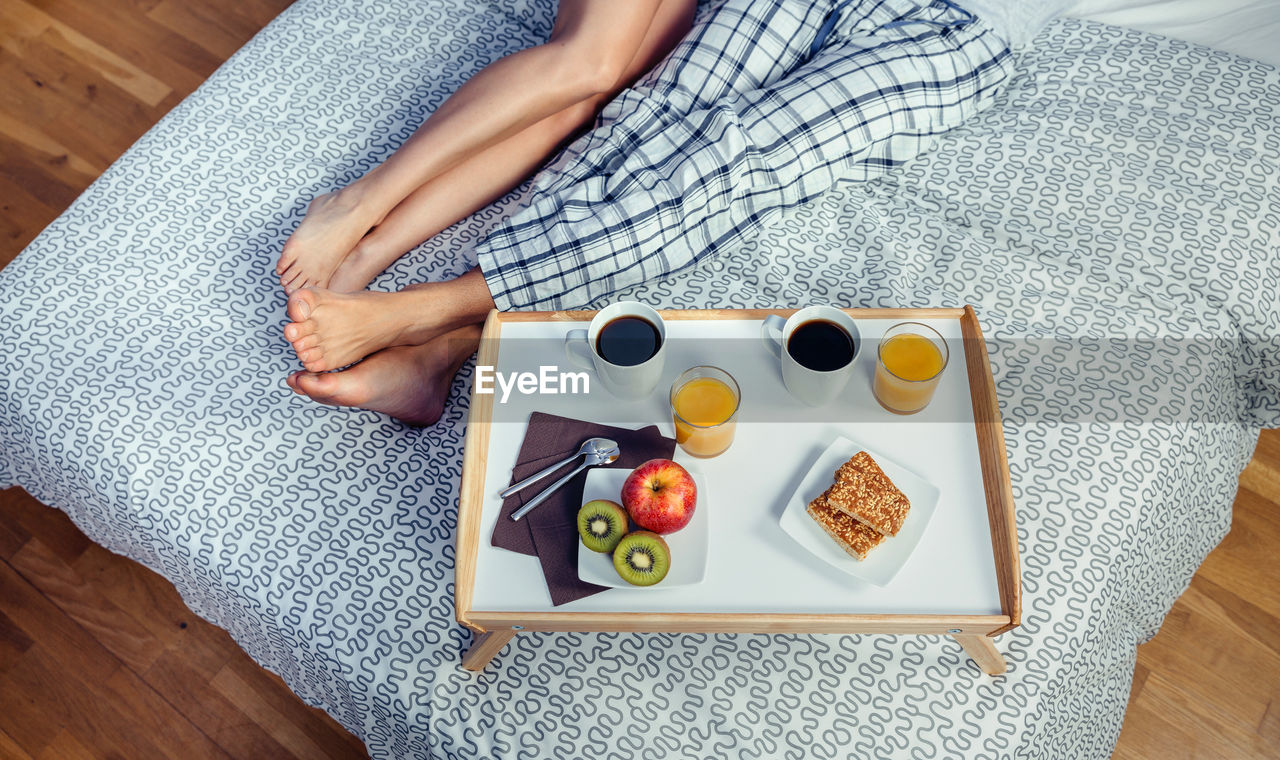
884, 561
688, 545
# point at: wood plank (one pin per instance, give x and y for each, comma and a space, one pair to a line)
333, 738
1217, 669
1217, 656
475, 454
687, 622
585, 315
65, 747
12, 535
181, 677
984, 653
57, 634
1262, 476
25, 92
171, 731
9, 749
1245, 563
1252, 625
14, 642
196, 651
42, 148
87, 99
1269, 727
53, 526
1212, 736
21, 22
111, 626
485, 646
221, 30
994, 461
37, 701
1149, 735
1140, 673
131, 586
261, 711
23, 721
49, 181
22, 216
60, 96
126, 30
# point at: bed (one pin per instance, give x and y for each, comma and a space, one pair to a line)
1114, 220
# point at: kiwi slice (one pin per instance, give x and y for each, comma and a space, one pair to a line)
601, 523
642, 558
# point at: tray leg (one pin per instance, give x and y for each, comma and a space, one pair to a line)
983, 651
485, 646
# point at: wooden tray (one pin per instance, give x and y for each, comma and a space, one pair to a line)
496, 626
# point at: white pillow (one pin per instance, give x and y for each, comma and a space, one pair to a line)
1245, 27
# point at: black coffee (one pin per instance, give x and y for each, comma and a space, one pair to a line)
628, 341
820, 345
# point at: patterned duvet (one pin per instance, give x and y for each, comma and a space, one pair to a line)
1114, 220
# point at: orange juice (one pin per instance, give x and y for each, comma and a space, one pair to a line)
907, 371
911, 357
704, 410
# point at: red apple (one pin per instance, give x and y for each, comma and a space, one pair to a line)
660, 496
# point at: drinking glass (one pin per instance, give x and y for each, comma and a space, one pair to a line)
909, 361
704, 406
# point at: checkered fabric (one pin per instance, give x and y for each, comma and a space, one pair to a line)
765, 105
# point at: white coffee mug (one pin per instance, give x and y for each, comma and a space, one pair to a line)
627, 382
813, 387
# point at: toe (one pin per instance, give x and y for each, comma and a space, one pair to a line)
292, 382
288, 255
318, 387
304, 342
337, 388
293, 277
295, 332
300, 305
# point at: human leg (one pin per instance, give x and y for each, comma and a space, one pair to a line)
486, 176
866, 103
591, 44
455, 195
734, 46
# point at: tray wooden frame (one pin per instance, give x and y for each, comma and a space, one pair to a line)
973, 632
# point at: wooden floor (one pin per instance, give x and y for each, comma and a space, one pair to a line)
99, 657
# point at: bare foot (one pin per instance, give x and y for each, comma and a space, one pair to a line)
410, 383
334, 224
331, 330
366, 261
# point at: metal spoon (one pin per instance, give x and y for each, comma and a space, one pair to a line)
593, 458
588, 446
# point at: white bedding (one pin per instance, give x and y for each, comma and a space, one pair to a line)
1113, 220
1245, 27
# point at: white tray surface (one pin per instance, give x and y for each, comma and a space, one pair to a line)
753, 566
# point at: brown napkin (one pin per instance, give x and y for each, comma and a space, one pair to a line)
550, 531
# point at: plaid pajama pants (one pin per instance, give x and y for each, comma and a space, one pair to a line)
765, 105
